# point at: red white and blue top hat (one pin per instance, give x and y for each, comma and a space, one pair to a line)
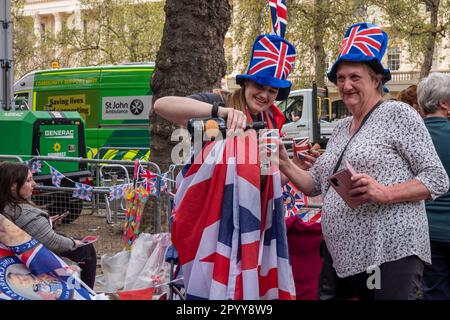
271, 61
363, 42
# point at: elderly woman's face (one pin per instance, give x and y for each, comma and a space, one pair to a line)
355, 84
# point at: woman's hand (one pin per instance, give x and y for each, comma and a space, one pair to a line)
78, 243
309, 159
367, 188
235, 119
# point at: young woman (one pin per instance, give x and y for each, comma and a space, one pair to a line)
16, 188
229, 225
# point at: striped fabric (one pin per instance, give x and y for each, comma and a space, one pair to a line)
230, 235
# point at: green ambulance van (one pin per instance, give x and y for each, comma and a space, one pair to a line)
114, 101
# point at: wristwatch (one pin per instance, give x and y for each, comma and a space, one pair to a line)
215, 109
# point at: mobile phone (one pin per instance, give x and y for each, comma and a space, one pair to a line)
342, 183
61, 216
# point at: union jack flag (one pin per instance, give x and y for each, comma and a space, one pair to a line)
362, 40
230, 235
293, 199
56, 176
278, 58
48, 277
278, 17
36, 167
149, 180
83, 191
118, 192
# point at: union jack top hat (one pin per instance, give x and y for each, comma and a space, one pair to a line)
271, 61
363, 42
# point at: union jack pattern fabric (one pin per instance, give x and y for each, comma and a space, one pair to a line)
56, 177
45, 274
36, 167
230, 235
275, 57
360, 40
83, 191
294, 200
278, 16
118, 191
149, 180
311, 216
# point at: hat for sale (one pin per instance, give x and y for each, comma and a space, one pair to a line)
363, 42
271, 61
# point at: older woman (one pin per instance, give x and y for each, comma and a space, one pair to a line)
434, 98
397, 168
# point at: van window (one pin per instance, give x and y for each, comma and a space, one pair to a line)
292, 108
21, 101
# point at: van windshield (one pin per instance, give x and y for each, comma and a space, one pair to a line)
292, 108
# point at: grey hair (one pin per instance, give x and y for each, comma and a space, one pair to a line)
433, 89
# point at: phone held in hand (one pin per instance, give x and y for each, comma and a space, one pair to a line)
342, 183
88, 240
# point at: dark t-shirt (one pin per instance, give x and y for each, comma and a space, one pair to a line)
438, 211
214, 97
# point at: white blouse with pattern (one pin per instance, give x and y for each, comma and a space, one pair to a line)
392, 147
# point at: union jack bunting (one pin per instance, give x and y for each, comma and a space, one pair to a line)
56, 176
293, 199
311, 216
165, 182
149, 180
118, 191
36, 167
278, 17
83, 191
230, 235
358, 39
278, 57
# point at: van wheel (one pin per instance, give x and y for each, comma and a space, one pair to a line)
61, 203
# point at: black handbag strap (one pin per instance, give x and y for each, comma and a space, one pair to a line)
336, 167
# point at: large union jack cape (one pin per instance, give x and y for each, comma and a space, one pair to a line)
230, 235
275, 58
360, 40
278, 17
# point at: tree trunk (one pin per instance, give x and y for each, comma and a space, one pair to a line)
191, 59
431, 39
320, 7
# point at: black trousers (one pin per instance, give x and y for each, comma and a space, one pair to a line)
86, 258
436, 277
399, 280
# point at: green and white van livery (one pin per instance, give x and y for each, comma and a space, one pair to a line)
114, 101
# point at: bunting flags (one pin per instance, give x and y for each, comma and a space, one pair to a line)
118, 192
278, 17
36, 167
56, 176
83, 191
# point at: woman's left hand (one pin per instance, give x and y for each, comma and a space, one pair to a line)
367, 188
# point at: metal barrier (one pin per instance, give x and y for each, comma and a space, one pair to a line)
9, 157
96, 166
